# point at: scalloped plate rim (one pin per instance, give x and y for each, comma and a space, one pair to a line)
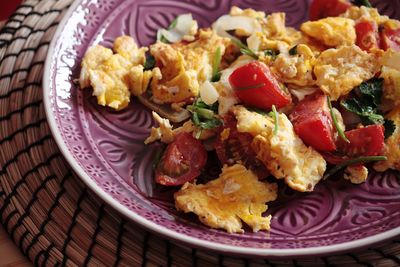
170, 234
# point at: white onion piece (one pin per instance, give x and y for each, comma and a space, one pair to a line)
301, 93
208, 93
184, 25
253, 42
228, 23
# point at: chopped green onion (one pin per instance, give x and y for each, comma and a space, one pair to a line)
293, 50
216, 75
205, 113
335, 122
352, 162
250, 87
276, 122
198, 133
244, 49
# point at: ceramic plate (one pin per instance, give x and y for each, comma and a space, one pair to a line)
106, 147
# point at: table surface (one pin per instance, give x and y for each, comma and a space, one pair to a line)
10, 256
9, 253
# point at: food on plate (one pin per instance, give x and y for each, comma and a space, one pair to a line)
271, 101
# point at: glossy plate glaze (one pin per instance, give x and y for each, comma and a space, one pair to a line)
106, 147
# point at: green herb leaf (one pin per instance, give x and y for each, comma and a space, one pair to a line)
373, 90
365, 3
216, 74
390, 127
203, 115
335, 122
162, 38
173, 24
271, 53
293, 50
150, 62
276, 122
366, 104
352, 162
244, 49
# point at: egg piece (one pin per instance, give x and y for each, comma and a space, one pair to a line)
184, 67
235, 196
114, 76
248, 12
331, 31
392, 145
287, 157
252, 122
391, 86
284, 154
94, 57
127, 47
364, 13
356, 174
338, 71
295, 69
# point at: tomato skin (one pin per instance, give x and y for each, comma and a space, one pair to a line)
327, 8
256, 86
366, 141
390, 39
367, 35
237, 148
313, 123
182, 161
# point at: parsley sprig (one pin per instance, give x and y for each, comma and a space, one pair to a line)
204, 116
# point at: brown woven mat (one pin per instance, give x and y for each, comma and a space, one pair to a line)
49, 213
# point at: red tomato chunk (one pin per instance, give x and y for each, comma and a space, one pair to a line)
313, 123
255, 86
182, 161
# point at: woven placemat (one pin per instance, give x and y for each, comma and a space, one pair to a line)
46, 209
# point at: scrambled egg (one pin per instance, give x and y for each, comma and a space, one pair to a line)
284, 154
184, 67
166, 134
338, 71
364, 13
225, 202
331, 31
296, 69
275, 35
392, 145
113, 75
391, 84
356, 174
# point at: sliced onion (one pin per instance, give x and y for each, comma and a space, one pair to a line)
184, 25
228, 23
208, 93
301, 93
253, 42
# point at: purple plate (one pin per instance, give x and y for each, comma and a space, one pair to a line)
106, 147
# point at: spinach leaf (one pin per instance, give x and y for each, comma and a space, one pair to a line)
390, 127
366, 102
